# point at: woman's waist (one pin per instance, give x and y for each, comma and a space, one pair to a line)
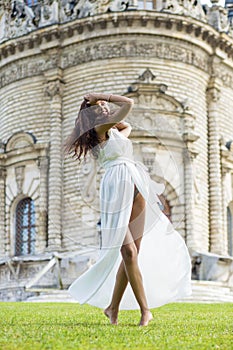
122, 160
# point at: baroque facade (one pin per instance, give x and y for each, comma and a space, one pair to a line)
175, 59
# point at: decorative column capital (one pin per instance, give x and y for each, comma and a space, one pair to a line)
54, 85
213, 94
54, 88
213, 90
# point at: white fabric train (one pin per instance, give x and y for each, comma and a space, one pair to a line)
163, 258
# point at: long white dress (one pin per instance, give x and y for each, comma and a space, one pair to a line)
163, 259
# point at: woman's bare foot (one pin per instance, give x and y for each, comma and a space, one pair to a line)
112, 314
146, 318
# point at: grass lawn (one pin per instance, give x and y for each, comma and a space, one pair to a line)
62, 326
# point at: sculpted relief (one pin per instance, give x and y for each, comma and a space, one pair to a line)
72, 56
156, 110
88, 191
21, 17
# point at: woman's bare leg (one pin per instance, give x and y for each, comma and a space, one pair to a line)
137, 219
130, 257
128, 270
120, 286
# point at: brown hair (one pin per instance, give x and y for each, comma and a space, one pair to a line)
84, 138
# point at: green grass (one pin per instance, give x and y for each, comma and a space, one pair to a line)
62, 326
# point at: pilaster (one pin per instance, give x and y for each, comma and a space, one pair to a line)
42, 240
214, 165
189, 155
227, 182
54, 90
2, 210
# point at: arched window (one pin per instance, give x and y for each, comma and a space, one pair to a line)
31, 2
25, 234
230, 231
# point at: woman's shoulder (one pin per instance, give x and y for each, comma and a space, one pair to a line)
111, 132
114, 131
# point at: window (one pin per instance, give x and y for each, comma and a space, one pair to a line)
145, 4
166, 209
31, 2
230, 231
25, 227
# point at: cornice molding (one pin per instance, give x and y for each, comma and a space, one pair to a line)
192, 43
143, 22
94, 50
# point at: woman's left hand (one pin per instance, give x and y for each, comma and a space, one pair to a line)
91, 98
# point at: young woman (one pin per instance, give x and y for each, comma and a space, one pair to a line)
131, 220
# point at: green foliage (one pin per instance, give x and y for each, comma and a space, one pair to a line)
64, 326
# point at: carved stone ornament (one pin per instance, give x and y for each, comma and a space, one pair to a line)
224, 74
146, 91
18, 17
19, 177
54, 88
86, 52
217, 17
186, 7
213, 94
155, 110
20, 140
147, 76
2, 172
28, 69
89, 171
132, 48
161, 113
149, 159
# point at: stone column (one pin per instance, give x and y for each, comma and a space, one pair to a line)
215, 177
54, 90
189, 203
2, 210
42, 240
225, 173
189, 154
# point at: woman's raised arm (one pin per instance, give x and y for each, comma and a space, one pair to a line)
124, 102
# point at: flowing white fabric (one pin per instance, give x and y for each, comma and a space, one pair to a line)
163, 258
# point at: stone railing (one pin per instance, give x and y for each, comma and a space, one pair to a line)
19, 17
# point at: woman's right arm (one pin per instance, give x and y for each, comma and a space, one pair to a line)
124, 128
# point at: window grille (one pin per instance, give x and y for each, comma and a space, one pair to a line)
230, 231
25, 227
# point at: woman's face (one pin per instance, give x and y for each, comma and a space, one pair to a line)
105, 109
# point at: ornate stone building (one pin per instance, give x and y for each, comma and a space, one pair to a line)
175, 59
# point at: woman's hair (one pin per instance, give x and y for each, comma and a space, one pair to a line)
84, 138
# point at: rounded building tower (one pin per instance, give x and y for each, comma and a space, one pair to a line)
175, 59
